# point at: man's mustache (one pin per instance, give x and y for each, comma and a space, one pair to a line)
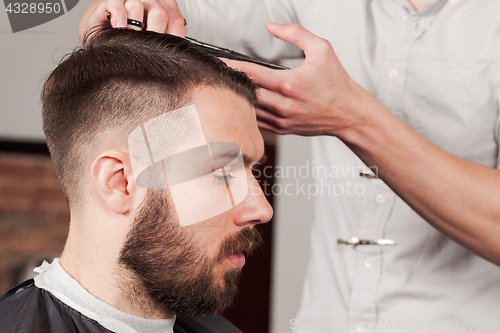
245, 242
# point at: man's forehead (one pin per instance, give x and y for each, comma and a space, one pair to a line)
197, 125
228, 117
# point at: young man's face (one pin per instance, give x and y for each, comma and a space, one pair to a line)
193, 267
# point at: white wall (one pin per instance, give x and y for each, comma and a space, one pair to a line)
26, 58
292, 227
291, 244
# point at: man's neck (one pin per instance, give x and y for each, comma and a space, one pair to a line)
106, 280
138, 300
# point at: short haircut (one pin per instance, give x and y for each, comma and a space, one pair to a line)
99, 93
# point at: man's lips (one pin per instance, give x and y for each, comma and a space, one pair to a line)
238, 259
243, 250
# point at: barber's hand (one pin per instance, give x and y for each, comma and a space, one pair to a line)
313, 99
161, 16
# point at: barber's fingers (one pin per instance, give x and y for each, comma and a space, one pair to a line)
274, 110
164, 17
135, 11
267, 121
268, 127
312, 45
176, 23
156, 17
275, 103
98, 17
160, 16
118, 13
272, 79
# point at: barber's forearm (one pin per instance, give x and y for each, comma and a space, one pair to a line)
458, 197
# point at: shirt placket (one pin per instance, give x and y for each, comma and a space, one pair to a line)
391, 90
362, 302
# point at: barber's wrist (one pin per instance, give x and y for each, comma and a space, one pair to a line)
366, 119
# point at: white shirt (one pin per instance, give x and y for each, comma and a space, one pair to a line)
438, 71
54, 279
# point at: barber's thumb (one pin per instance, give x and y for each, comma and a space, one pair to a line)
293, 33
278, 30
273, 26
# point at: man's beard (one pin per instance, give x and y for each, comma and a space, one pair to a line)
173, 269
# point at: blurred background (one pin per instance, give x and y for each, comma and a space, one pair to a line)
34, 216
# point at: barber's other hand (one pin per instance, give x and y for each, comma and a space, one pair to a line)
161, 16
316, 98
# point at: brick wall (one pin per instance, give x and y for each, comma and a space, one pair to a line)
34, 216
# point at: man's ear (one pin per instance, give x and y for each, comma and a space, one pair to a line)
112, 176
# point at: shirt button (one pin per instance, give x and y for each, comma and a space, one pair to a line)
405, 18
368, 262
380, 198
360, 325
393, 74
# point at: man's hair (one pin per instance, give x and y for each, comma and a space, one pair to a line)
120, 78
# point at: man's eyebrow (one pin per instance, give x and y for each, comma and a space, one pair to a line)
249, 161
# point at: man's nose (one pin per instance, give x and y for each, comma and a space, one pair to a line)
255, 209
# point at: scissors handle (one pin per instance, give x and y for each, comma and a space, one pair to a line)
229, 54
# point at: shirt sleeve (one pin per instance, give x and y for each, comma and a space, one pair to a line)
240, 25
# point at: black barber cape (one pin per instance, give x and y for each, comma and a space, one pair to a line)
29, 309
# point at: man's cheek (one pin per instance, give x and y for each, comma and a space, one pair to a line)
215, 193
197, 200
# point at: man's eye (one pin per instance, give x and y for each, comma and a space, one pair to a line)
220, 179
